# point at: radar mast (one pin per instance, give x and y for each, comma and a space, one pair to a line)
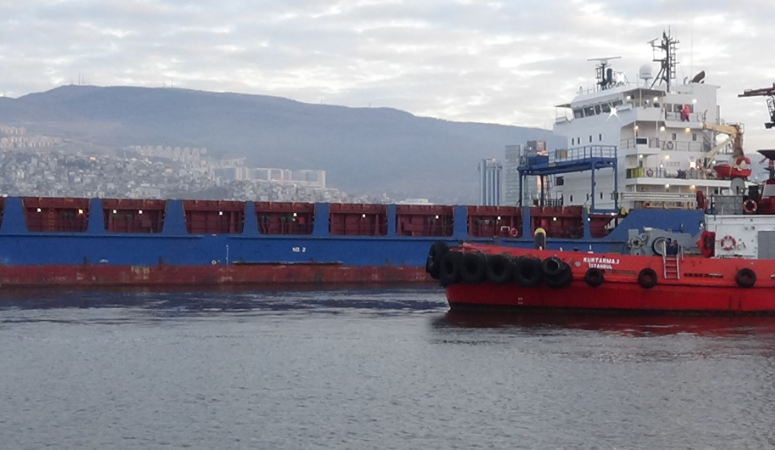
605, 74
667, 46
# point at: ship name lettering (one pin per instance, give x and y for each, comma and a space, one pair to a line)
598, 262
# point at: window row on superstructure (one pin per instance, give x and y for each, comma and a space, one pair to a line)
594, 110
577, 141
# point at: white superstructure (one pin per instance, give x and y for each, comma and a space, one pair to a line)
660, 149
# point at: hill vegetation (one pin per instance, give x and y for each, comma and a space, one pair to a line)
364, 150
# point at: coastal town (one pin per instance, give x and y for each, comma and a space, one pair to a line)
38, 166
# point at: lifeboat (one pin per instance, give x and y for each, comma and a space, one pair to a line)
725, 171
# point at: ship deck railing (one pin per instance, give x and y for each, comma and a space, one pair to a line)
590, 157
658, 197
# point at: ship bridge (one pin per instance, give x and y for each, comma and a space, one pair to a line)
592, 158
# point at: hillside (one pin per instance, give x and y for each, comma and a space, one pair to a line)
369, 150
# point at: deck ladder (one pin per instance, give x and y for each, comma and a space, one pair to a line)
671, 265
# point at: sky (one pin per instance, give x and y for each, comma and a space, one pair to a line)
505, 62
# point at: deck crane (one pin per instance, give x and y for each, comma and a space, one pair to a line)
764, 92
768, 92
735, 136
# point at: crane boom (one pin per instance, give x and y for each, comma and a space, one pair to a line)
758, 92
764, 92
735, 133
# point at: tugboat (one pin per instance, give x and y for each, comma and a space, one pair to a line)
729, 269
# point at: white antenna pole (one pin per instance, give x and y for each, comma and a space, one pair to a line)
691, 45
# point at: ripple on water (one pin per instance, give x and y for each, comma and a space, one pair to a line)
371, 368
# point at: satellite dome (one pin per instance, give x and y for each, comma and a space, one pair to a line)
645, 72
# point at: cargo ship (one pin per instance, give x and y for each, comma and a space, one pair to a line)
660, 141
131, 242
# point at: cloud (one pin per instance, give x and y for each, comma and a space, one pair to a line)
489, 61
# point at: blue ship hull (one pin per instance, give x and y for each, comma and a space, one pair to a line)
175, 256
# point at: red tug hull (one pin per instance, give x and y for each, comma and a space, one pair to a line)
702, 286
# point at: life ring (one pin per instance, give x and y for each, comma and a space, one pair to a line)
745, 277
594, 277
552, 266
650, 172
474, 267
527, 271
669, 145
728, 243
647, 278
750, 206
449, 273
514, 232
213, 262
435, 254
500, 268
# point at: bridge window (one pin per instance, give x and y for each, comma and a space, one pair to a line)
578, 113
589, 111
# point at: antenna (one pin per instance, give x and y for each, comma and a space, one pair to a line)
667, 64
691, 44
604, 74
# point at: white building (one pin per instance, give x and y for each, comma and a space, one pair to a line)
510, 175
490, 182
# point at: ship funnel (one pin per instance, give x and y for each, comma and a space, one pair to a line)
699, 77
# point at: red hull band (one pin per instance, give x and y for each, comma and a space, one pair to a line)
86, 275
689, 285
612, 297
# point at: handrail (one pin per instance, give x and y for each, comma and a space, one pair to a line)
658, 196
588, 151
662, 172
674, 258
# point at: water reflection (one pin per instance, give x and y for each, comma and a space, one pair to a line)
632, 326
194, 300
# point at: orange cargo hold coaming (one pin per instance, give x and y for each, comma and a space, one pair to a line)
355, 219
133, 216
491, 221
214, 217
57, 214
424, 220
285, 218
